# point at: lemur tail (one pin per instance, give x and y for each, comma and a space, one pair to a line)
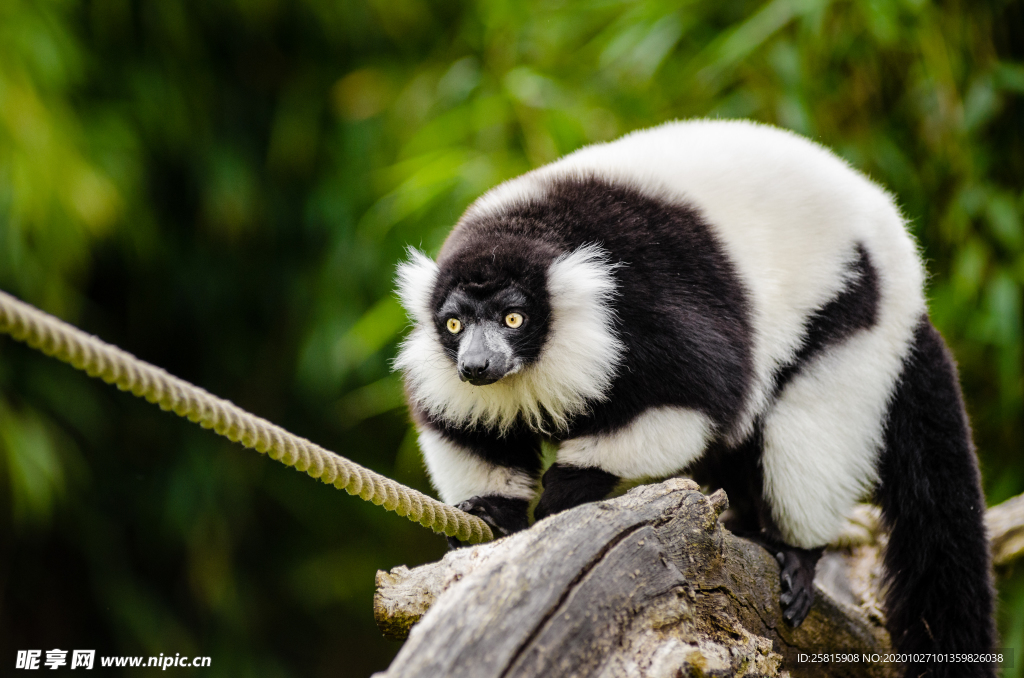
937, 563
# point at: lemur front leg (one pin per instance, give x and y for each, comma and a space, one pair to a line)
491, 476
567, 486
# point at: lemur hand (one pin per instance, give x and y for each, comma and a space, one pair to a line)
503, 514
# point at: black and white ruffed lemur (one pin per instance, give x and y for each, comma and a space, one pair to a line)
724, 299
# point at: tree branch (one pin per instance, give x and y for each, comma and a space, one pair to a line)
646, 584
1005, 524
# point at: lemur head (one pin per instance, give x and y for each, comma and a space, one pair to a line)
508, 327
491, 308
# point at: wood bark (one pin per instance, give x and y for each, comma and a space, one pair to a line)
1005, 524
647, 584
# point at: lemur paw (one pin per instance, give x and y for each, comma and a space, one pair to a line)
503, 514
797, 578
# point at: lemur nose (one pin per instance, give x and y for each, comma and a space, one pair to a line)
474, 368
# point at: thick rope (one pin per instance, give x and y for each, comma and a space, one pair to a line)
96, 358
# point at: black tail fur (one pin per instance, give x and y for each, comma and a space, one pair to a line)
939, 594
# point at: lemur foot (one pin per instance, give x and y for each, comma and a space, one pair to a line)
797, 579
503, 514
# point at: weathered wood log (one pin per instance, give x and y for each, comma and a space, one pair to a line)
1005, 524
648, 584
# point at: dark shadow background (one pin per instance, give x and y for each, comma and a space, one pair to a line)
224, 189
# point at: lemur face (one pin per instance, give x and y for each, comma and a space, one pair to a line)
490, 333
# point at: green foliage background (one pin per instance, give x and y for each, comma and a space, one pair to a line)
224, 189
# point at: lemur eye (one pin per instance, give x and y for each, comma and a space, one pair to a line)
454, 325
513, 320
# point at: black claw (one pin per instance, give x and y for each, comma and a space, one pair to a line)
796, 579
796, 613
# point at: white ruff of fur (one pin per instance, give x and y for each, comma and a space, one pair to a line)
576, 365
416, 279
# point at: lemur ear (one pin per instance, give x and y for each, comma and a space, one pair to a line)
415, 280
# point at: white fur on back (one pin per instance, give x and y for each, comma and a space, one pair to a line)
658, 443
576, 364
458, 474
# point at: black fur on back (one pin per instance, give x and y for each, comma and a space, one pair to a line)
855, 308
681, 308
939, 596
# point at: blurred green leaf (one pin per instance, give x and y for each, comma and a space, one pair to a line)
371, 400
33, 467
